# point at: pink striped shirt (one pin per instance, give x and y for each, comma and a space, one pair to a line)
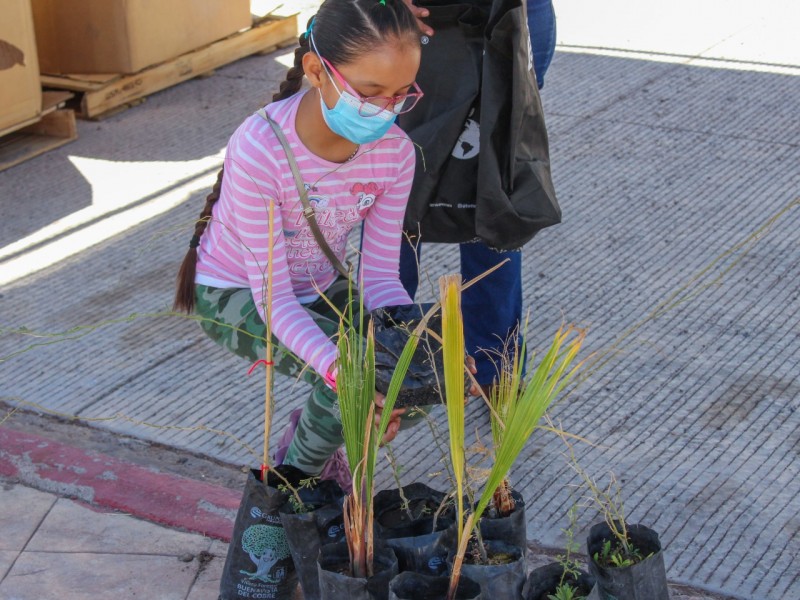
373, 188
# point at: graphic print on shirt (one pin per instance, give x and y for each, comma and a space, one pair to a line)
315, 200
367, 194
335, 222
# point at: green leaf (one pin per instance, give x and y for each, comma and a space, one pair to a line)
535, 397
453, 357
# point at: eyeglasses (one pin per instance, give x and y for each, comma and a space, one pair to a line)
373, 105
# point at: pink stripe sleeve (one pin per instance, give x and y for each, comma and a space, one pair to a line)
383, 229
251, 190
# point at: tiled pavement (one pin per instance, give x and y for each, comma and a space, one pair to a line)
53, 547
673, 164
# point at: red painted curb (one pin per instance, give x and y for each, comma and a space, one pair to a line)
112, 483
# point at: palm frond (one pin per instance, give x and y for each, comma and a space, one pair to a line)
453, 357
362, 439
535, 396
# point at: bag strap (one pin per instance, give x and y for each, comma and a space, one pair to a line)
308, 210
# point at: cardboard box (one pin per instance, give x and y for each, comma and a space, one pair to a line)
125, 36
20, 90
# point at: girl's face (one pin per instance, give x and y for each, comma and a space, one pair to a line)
388, 71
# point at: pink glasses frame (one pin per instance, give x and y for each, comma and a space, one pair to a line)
383, 102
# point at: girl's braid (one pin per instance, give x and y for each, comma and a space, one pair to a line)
294, 77
184, 293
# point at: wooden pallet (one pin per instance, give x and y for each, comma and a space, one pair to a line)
54, 127
101, 95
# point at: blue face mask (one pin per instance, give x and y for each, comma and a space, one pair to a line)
346, 118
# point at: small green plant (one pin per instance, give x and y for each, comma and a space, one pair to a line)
614, 555
298, 506
618, 551
570, 568
565, 591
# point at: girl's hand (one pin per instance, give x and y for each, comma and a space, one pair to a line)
394, 420
419, 13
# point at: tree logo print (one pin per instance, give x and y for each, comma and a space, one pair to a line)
266, 546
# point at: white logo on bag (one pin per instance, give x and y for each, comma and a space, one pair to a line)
256, 513
469, 143
334, 531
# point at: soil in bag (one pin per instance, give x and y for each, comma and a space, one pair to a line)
413, 522
259, 562
336, 583
393, 326
418, 586
645, 579
544, 581
501, 573
311, 519
511, 528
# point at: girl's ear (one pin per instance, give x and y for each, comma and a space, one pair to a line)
312, 67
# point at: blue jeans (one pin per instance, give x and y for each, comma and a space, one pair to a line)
492, 307
542, 28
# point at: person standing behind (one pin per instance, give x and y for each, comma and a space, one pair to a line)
500, 314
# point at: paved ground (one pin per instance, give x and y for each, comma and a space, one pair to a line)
78, 523
675, 148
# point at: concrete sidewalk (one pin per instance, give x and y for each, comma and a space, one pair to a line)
79, 524
53, 547
675, 145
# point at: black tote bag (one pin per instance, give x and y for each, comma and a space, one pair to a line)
259, 562
483, 169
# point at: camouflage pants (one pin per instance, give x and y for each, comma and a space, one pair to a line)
230, 318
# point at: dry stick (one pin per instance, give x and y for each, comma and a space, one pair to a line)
122, 417
9, 414
459, 558
365, 505
607, 501
269, 355
390, 458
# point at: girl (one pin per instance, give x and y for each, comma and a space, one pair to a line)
360, 58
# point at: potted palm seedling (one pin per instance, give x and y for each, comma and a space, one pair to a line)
358, 567
522, 416
504, 518
416, 520
408, 585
